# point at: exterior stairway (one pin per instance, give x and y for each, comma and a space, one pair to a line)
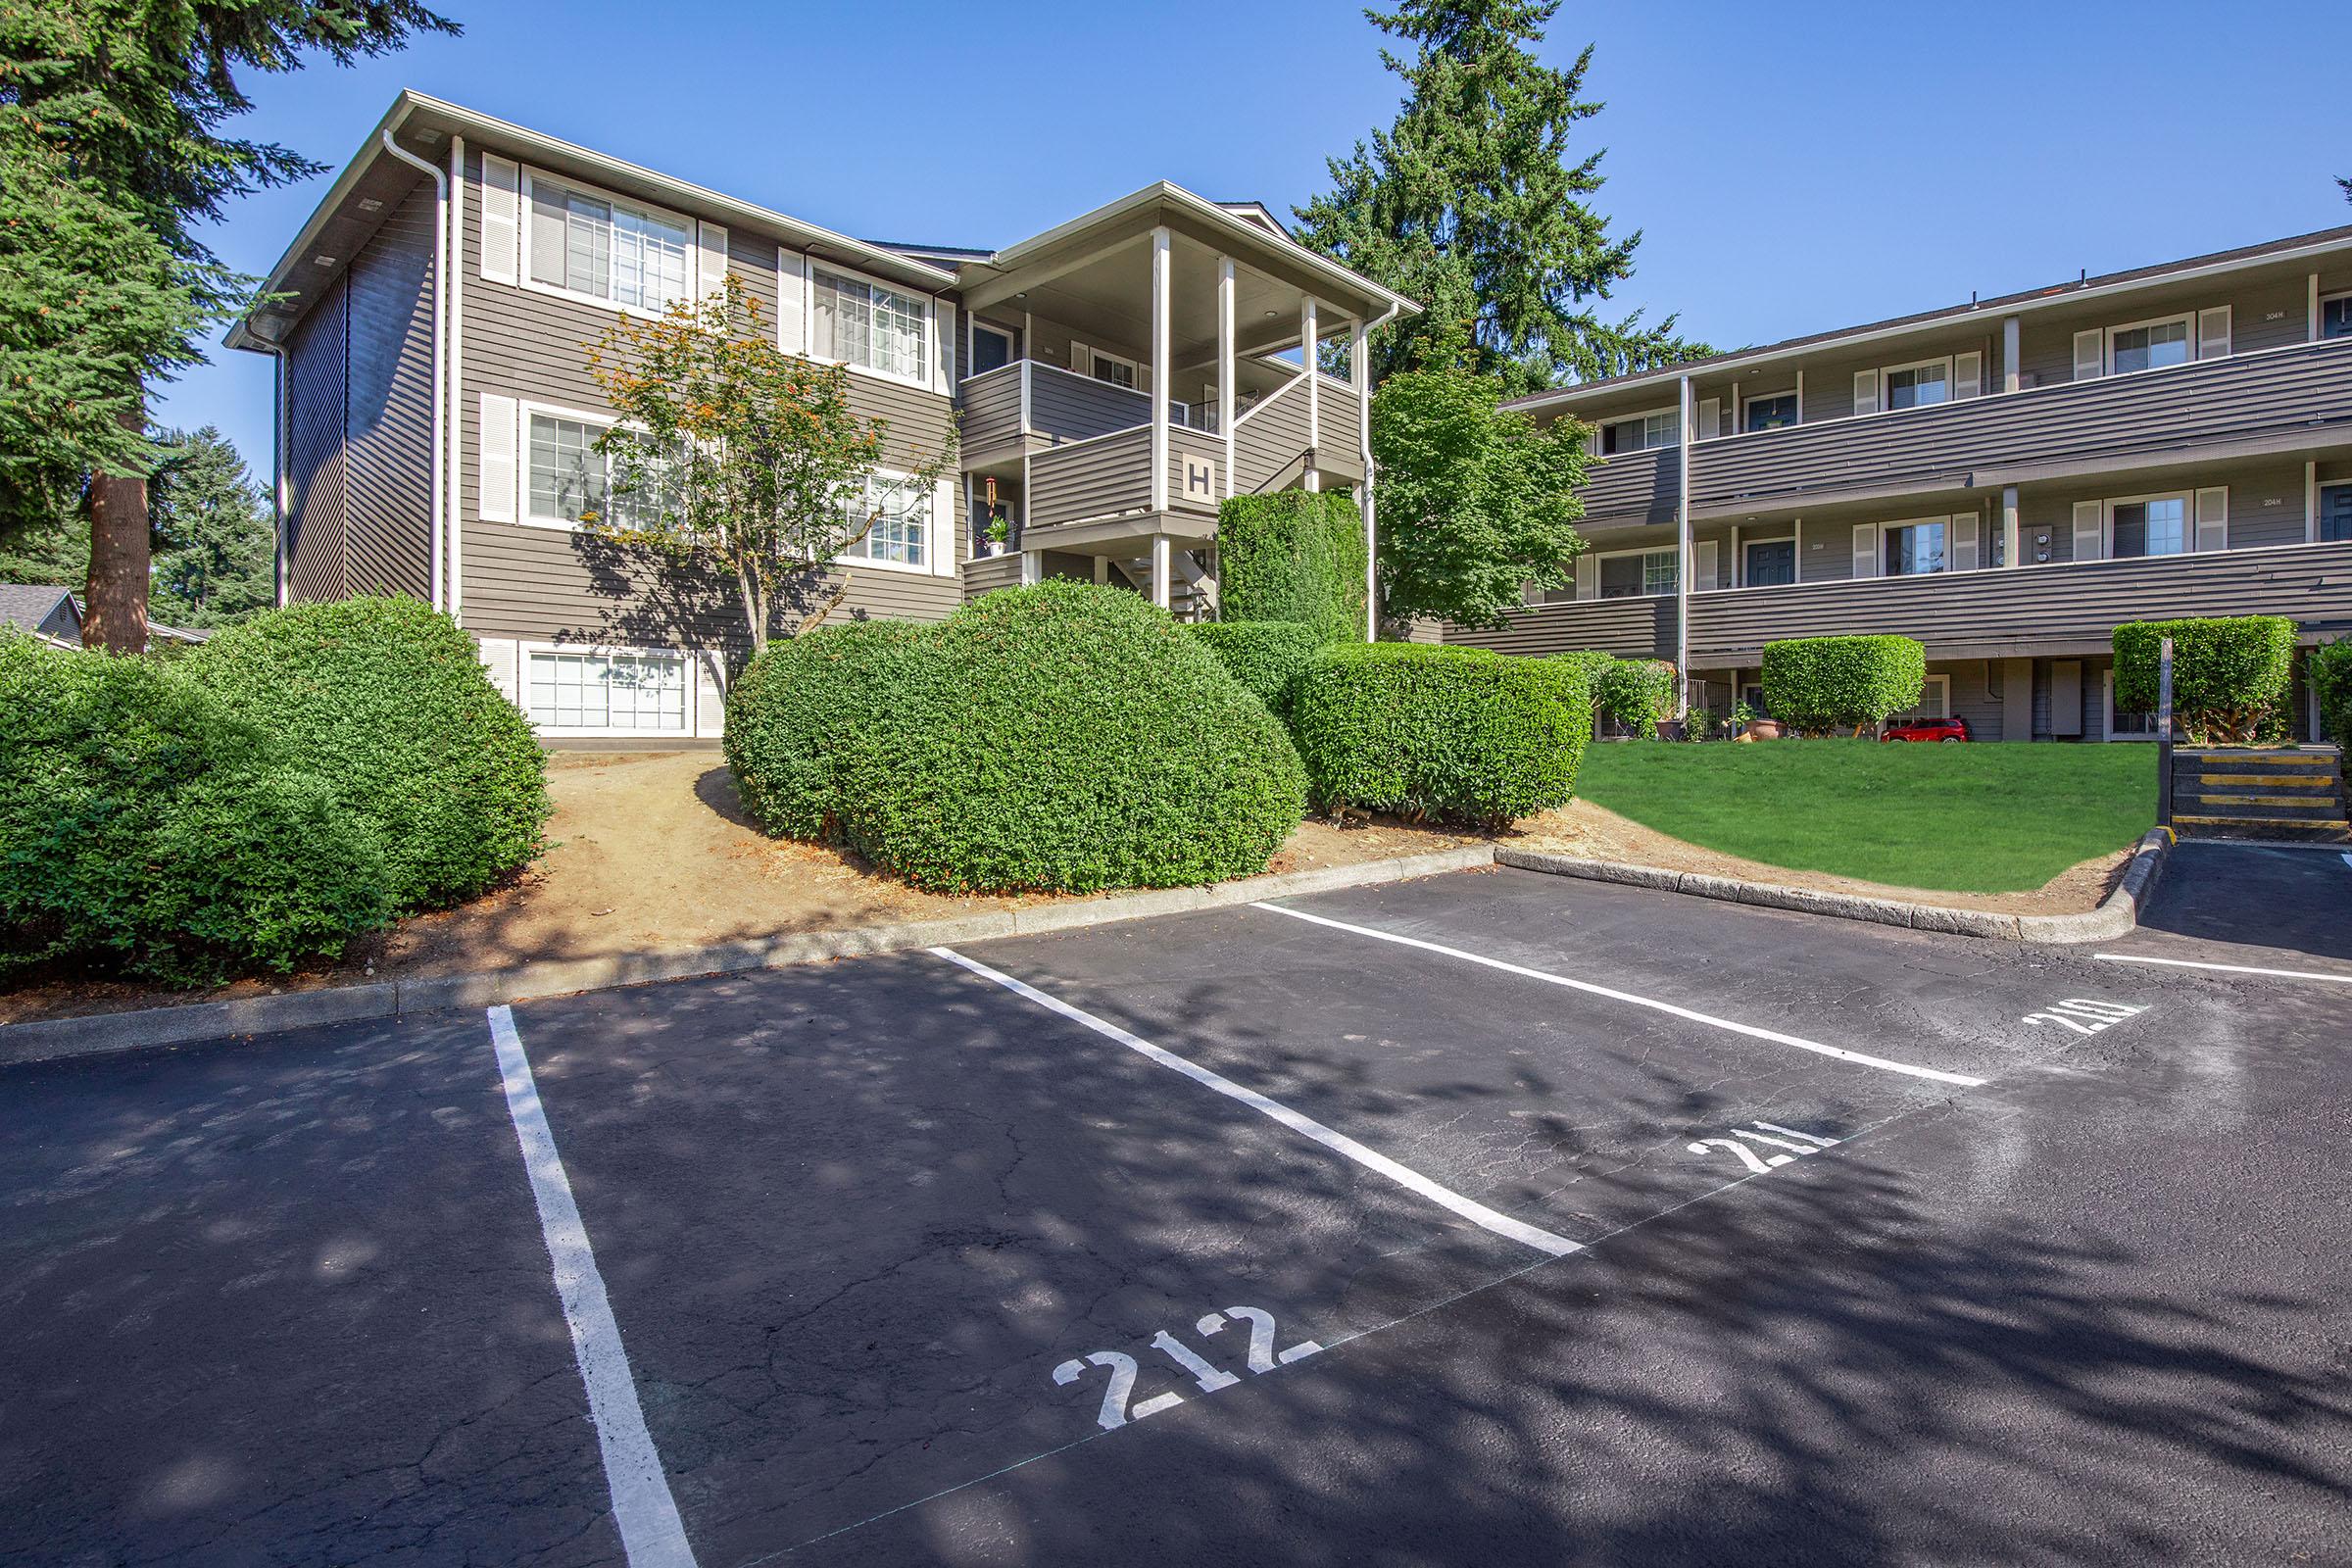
2229, 793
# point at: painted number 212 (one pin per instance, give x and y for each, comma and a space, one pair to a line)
1261, 1358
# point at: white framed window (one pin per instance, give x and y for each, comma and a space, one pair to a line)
1102, 366
901, 535
2336, 316
1934, 700
1917, 385
1638, 574
2124, 727
607, 691
566, 480
587, 245
2148, 525
869, 326
1775, 412
1915, 547
1641, 432
2151, 345
991, 347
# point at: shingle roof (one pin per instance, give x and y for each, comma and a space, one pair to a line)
25, 605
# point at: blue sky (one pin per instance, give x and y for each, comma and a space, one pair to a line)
1793, 166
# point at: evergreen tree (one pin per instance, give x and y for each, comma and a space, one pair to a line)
1468, 204
122, 102
215, 559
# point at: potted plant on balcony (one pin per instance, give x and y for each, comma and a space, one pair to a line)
995, 532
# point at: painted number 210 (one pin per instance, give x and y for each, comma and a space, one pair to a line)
1261, 1358
2082, 1015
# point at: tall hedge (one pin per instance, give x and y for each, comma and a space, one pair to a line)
2331, 673
1061, 736
387, 700
145, 830
1851, 683
1297, 556
1267, 656
2230, 674
1458, 735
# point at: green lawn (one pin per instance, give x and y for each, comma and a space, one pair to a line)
1969, 819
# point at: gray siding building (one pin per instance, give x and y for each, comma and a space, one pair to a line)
1109, 381
2005, 480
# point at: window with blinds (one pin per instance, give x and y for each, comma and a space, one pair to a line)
869, 326
605, 250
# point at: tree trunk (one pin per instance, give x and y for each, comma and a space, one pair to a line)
754, 608
115, 606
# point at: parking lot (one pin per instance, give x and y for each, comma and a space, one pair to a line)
1493, 1217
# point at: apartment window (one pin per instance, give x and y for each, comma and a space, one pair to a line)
1915, 386
605, 250
1648, 573
1110, 368
1772, 413
900, 534
870, 325
572, 482
608, 691
1913, 549
1934, 700
2335, 514
2157, 526
992, 348
2149, 346
1642, 433
2336, 316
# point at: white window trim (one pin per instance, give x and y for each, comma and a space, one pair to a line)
524, 408
1907, 522
2189, 523
1796, 560
1599, 556
1941, 708
524, 648
929, 566
973, 327
1599, 425
809, 274
1747, 398
2187, 319
1135, 368
2107, 713
2327, 300
523, 244
1951, 383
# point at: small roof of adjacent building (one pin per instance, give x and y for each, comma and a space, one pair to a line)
41, 609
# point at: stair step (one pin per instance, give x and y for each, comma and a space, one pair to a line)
2242, 806
2259, 762
2312, 782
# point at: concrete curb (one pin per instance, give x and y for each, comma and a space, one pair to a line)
103, 1034
2116, 914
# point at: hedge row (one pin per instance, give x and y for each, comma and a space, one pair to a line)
2231, 676
1061, 736
1294, 556
1267, 656
1637, 693
1852, 683
1455, 735
2331, 673
257, 803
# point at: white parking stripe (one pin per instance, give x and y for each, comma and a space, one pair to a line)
651, 1531
2227, 968
1404, 1176
1587, 986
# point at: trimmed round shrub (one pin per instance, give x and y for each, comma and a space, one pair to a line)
145, 830
2230, 674
2331, 674
387, 700
1456, 735
1293, 554
1267, 656
1061, 736
1635, 692
1850, 683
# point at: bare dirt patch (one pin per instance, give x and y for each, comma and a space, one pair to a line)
653, 852
1596, 833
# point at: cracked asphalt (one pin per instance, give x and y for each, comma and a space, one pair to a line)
287, 1300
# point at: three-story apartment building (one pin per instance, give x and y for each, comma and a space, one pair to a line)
1112, 380
2005, 480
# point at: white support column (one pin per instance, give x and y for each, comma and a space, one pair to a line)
1161, 571
454, 470
1225, 364
2009, 353
1359, 370
1310, 481
1800, 397
1101, 571
2013, 551
2311, 503
1033, 567
1681, 546
2311, 327
1160, 259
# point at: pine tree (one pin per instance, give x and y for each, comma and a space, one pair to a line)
1468, 204
125, 100
214, 556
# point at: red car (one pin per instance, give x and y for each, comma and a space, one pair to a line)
1927, 729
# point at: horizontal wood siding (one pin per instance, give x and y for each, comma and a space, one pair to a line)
1341, 431
1269, 445
2022, 609
991, 409
1632, 487
388, 405
1630, 628
1078, 407
1099, 478
987, 575
2305, 389
549, 583
315, 362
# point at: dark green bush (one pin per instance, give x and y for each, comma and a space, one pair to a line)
2230, 674
1267, 656
1061, 736
145, 830
1293, 554
387, 700
1635, 692
1851, 683
2331, 673
1441, 734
